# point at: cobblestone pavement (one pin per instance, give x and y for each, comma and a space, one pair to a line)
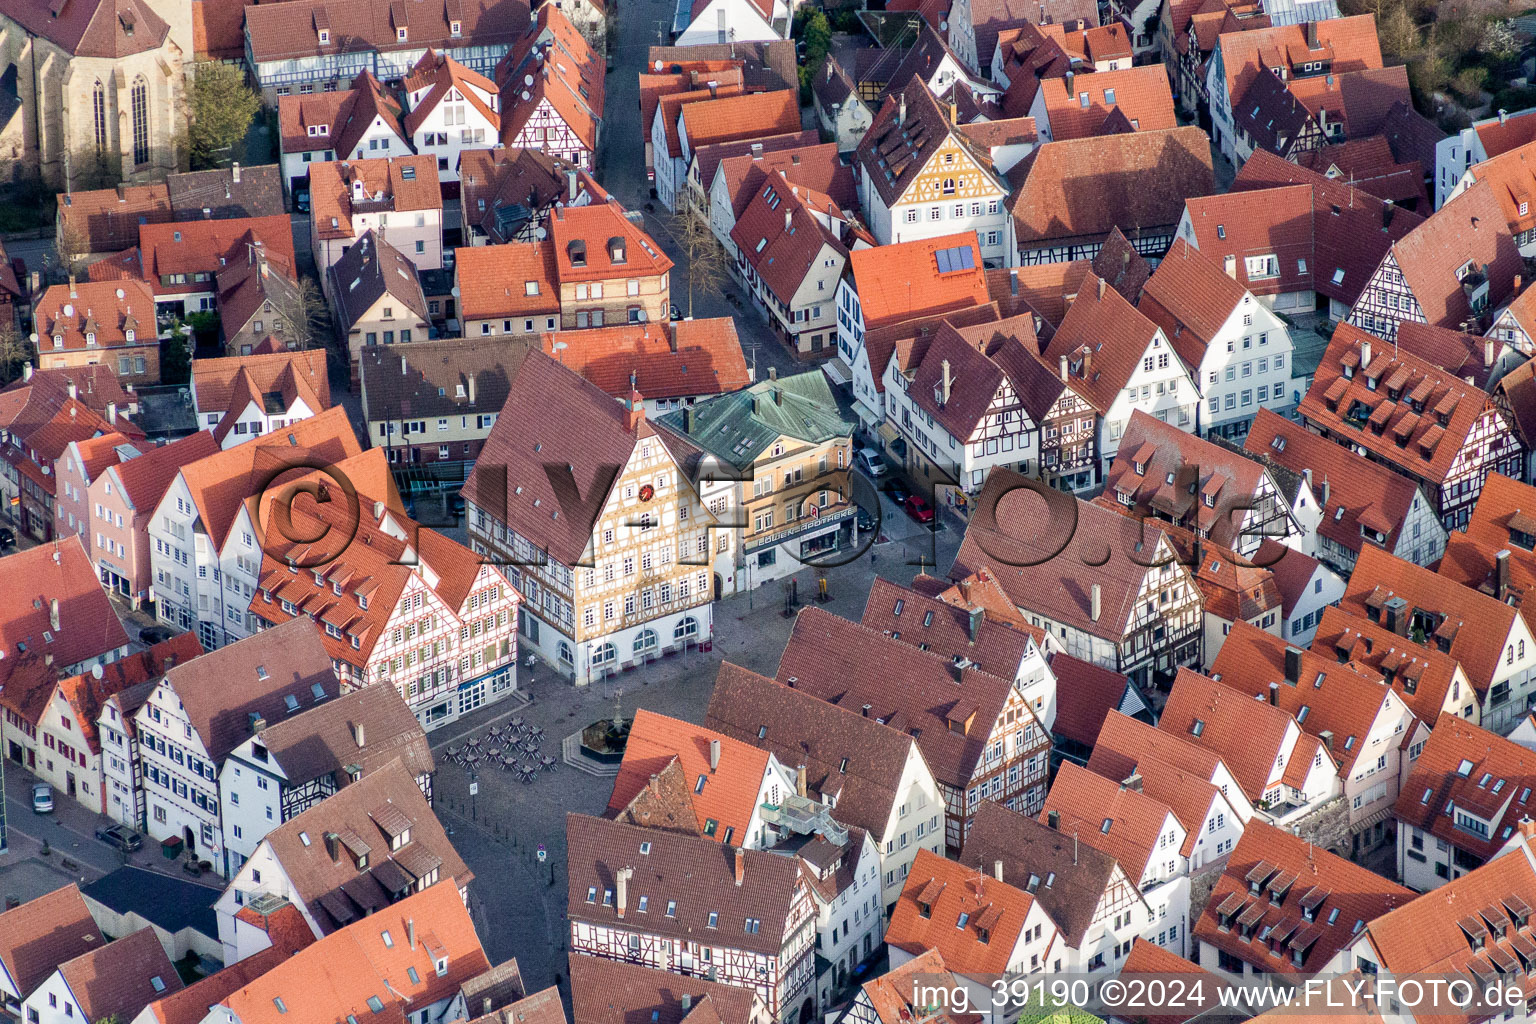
519, 905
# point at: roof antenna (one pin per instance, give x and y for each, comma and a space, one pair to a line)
1074, 847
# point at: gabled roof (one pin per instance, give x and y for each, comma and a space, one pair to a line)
726, 785
807, 164
554, 416
1345, 44
765, 64
1354, 492
120, 978
42, 933
851, 759
1476, 771
683, 76
435, 378
905, 280
683, 880
1122, 267
96, 314
1505, 510
1293, 898
364, 729
990, 17
206, 246
441, 74
894, 995
1078, 107
370, 270
1470, 228
1371, 164
318, 850
950, 709
1123, 821
737, 428
390, 959
223, 192
143, 480
1067, 876
1405, 410
396, 184
1421, 676
1434, 932
782, 234
1325, 696
979, 361
1150, 958
1471, 357
1046, 290
1292, 570
685, 358
907, 132
947, 630
1083, 188
1085, 695
1166, 761
57, 573
87, 692
728, 118
270, 667
600, 243
1003, 535
290, 31
565, 71
1468, 625
503, 190
225, 385
1248, 735
974, 921
337, 121
495, 280
1190, 298
1103, 338
108, 219
1184, 479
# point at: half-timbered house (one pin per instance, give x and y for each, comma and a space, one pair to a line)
1211, 490
1410, 415
1140, 615
551, 83
689, 905
1284, 905
920, 177
1489, 637
1428, 680
978, 731
1453, 270
298, 761
871, 774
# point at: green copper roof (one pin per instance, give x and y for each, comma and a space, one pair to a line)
738, 426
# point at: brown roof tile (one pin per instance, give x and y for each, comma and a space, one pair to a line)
613, 992
288, 31
1246, 734
1141, 94
686, 358
974, 921
39, 935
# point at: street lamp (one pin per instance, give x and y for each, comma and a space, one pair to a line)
474, 796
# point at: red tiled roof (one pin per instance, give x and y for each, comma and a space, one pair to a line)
337, 121
384, 180
973, 921
1347, 44
725, 795
1477, 771
1421, 676
40, 934
1190, 298
1085, 694
611, 244
728, 118
901, 281
1299, 887
1247, 734
685, 358
1476, 624
1124, 822
1103, 338
1420, 418
782, 236
1141, 94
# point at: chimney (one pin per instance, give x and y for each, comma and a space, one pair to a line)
741, 865
945, 382
621, 882
973, 627
714, 90
53, 612
258, 723
1274, 695
1311, 35
27, 371
800, 780
687, 1002
1500, 577
1292, 664
1101, 289
470, 388
72, 389
634, 411
1132, 782
1327, 737
997, 869
333, 847
773, 373
954, 115
901, 109
865, 710
234, 172
687, 419
1053, 819
789, 218
410, 932
1327, 489
1095, 603
1065, 371
1503, 115
714, 756
112, 413
1526, 827
757, 151
1487, 351
73, 293
358, 735
1365, 354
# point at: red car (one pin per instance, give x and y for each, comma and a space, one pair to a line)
918, 509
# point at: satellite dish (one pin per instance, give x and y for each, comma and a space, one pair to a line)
541, 234
34, 337
120, 293
96, 672
525, 96
455, 291
527, 79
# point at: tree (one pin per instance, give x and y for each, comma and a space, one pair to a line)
1499, 40
15, 349
301, 313
707, 267
816, 32
176, 355
223, 106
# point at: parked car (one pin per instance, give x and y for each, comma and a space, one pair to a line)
870, 461
152, 635
122, 837
897, 490
867, 523
918, 509
42, 798
7, 538
677, 314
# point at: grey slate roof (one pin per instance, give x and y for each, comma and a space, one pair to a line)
738, 426
368, 271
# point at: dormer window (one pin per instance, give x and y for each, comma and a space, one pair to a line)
400, 34
90, 338
128, 334
455, 29
58, 341
325, 36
